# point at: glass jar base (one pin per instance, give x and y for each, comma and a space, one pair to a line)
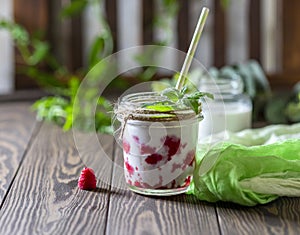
158, 192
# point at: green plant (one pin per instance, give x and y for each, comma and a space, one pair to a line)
179, 99
167, 11
35, 51
64, 84
54, 77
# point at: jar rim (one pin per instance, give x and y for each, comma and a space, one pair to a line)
133, 106
222, 85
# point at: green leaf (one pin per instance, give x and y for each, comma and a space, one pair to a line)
197, 95
18, 33
274, 111
262, 83
41, 50
193, 103
296, 89
159, 106
42, 78
96, 49
148, 73
248, 80
225, 3
51, 109
172, 94
74, 8
194, 100
292, 112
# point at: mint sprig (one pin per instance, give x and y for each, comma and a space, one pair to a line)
179, 98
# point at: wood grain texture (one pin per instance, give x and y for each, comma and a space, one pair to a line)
130, 213
44, 198
16, 127
279, 217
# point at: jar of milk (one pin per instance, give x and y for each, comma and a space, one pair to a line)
230, 110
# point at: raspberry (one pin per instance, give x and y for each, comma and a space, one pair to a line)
87, 179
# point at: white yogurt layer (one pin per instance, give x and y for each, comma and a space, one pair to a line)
159, 155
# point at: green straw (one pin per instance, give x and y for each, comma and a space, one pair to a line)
190, 54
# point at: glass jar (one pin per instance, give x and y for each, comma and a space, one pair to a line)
158, 146
230, 110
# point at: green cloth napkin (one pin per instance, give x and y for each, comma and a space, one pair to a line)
250, 167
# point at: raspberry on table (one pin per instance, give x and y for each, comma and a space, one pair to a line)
87, 179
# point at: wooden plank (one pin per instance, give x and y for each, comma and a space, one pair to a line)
219, 34
33, 15
255, 30
279, 217
65, 36
130, 213
111, 15
75, 49
184, 36
291, 37
16, 128
148, 18
44, 197
283, 81
24, 95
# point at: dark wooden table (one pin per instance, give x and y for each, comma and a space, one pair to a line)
39, 169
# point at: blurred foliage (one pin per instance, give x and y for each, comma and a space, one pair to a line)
274, 108
166, 11
284, 107
225, 3
64, 84
35, 52
42, 66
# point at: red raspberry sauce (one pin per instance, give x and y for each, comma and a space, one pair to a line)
173, 144
126, 146
154, 158
129, 168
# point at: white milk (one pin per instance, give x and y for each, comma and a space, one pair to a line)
234, 118
230, 109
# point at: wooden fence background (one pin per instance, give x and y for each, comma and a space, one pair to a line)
283, 70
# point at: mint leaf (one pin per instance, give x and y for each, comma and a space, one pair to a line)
172, 94
178, 99
159, 106
199, 94
194, 100
193, 103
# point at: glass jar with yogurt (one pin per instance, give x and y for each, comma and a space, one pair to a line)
230, 110
159, 146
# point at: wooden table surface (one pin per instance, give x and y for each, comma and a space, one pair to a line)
39, 169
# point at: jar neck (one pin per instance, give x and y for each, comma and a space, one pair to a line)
135, 107
222, 88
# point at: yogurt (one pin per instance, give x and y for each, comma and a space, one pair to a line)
158, 147
159, 156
